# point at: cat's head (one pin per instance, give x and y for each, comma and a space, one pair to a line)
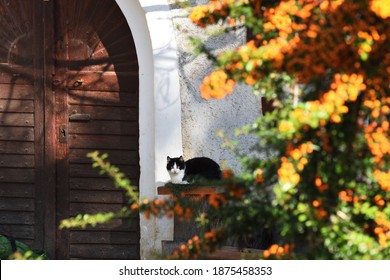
175, 165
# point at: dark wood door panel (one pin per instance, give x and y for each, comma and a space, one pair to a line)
16, 190
85, 170
114, 157
16, 106
111, 196
105, 113
101, 183
17, 175
97, 102
12, 147
105, 251
8, 91
121, 99
102, 237
22, 161
17, 133
17, 204
17, 119
21, 53
103, 81
66, 64
17, 218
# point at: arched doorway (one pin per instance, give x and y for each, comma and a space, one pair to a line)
68, 85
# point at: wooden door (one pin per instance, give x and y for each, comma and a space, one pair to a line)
96, 107
84, 97
21, 122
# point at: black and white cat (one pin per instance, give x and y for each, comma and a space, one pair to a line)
183, 172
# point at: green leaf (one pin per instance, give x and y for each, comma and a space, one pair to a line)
302, 217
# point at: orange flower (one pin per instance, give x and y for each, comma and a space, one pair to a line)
227, 174
276, 251
321, 213
317, 182
259, 176
323, 187
346, 196
209, 14
216, 85
316, 203
382, 230
287, 175
273, 249
134, 207
250, 80
378, 142
188, 213
335, 118
286, 126
216, 200
211, 235
320, 185
383, 179
178, 210
183, 247
147, 214
379, 200
381, 8
198, 14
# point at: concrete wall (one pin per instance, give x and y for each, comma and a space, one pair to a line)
202, 118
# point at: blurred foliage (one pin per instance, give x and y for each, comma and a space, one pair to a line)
324, 65
15, 250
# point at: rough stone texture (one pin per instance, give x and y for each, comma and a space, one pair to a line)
201, 119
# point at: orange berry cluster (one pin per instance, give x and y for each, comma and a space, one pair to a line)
294, 163
217, 85
382, 230
213, 12
164, 207
196, 246
278, 252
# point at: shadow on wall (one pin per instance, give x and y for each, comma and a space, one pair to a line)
201, 119
235, 111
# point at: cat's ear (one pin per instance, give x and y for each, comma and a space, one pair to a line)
181, 158
168, 159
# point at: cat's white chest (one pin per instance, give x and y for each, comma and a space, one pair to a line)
176, 176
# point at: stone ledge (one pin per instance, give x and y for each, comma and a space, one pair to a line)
203, 190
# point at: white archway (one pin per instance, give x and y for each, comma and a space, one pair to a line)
159, 105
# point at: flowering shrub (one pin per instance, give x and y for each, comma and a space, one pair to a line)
217, 85
324, 185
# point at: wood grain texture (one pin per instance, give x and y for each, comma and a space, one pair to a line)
66, 64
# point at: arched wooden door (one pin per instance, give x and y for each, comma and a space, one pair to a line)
82, 96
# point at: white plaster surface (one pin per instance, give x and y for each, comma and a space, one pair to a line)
202, 118
159, 107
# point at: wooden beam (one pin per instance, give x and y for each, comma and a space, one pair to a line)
203, 190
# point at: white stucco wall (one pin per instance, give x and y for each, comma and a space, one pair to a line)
159, 106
